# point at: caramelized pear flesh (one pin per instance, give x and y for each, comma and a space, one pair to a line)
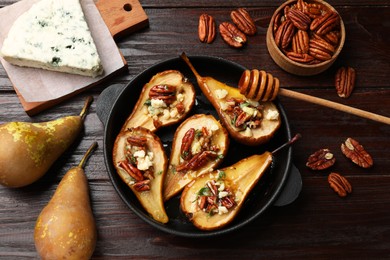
66, 228
213, 200
28, 150
199, 145
248, 122
165, 100
141, 163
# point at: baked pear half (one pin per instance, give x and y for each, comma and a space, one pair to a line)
165, 100
140, 161
214, 199
199, 145
248, 122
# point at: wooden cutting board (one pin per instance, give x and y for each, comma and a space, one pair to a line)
122, 17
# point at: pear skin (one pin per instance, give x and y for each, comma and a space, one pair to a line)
151, 199
139, 117
240, 178
175, 181
66, 229
203, 201
270, 121
28, 150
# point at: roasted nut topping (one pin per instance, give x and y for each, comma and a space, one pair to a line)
215, 197
320, 160
165, 93
206, 28
345, 81
356, 152
232, 35
197, 161
242, 19
339, 184
185, 149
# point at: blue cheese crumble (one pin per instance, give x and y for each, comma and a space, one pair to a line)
53, 35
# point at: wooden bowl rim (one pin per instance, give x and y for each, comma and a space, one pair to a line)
270, 35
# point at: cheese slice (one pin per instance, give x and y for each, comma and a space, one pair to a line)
53, 35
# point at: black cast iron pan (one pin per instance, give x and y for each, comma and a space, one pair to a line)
279, 186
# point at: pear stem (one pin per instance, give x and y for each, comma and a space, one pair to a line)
187, 60
86, 106
290, 142
87, 154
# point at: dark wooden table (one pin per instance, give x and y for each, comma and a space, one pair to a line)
318, 225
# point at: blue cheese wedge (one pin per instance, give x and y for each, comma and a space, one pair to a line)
53, 35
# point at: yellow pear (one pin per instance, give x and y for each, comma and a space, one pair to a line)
28, 150
212, 200
66, 229
248, 122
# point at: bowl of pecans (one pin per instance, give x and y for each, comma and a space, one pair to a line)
305, 37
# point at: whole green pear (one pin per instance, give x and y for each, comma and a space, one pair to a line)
66, 229
28, 150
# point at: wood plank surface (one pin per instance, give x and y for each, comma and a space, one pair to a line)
318, 225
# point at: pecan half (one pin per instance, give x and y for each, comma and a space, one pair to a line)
131, 170
356, 152
199, 160
320, 49
232, 35
300, 42
314, 10
301, 5
142, 185
188, 138
299, 19
139, 141
345, 81
321, 159
279, 18
332, 37
300, 57
325, 23
167, 93
242, 119
339, 184
206, 28
284, 34
243, 20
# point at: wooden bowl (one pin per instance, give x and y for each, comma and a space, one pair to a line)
294, 67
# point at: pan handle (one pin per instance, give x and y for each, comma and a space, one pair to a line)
106, 101
291, 189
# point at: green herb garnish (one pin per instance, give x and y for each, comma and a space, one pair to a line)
221, 175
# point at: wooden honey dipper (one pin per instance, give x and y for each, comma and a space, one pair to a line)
262, 86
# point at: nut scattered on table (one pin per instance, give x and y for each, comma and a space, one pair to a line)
232, 35
345, 81
307, 33
339, 184
206, 28
353, 150
321, 160
243, 20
